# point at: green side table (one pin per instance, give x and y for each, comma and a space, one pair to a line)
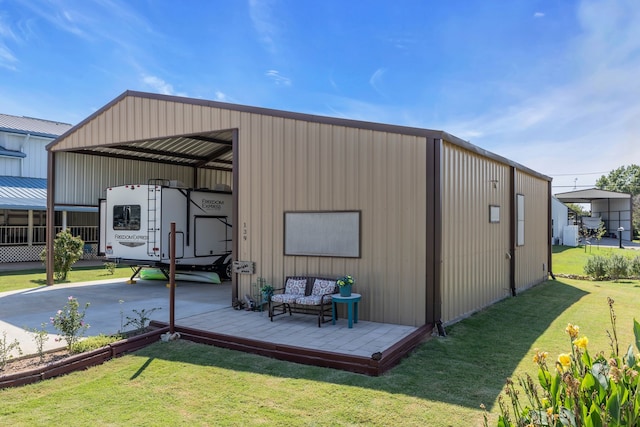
352, 307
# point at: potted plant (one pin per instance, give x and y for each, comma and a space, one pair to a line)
267, 291
344, 284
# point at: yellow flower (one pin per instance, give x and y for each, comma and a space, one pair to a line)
540, 356
581, 343
565, 360
572, 330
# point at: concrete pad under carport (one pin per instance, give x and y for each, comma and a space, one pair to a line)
29, 308
205, 310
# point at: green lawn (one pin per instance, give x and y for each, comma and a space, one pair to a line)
15, 280
571, 260
441, 384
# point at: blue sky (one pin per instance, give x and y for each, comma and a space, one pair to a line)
551, 84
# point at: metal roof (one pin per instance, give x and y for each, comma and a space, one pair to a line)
21, 193
213, 150
587, 196
32, 126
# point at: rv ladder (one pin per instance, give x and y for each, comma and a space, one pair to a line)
152, 225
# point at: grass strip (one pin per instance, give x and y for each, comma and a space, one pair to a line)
441, 384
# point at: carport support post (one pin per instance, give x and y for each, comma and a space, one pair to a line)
172, 279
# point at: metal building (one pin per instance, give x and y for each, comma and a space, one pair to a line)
613, 208
436, 228
23, 191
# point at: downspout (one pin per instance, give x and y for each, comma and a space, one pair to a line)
235, 234
50, 232
26, 141
437, 238
512, 232
433, 236
550, 237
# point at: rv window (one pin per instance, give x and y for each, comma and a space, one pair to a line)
126, 217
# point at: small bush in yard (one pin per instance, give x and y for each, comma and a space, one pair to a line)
70, 321
67, 249
634, 267
110, 267
6, 349
143, 317
581, 391
618, 267
95, 342
40, 336
596, 267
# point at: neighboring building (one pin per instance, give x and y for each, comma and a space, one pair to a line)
559, 220
23, 189
439, 228
613, 208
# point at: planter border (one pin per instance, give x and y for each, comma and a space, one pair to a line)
82, 361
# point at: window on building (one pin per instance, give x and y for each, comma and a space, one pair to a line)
520, 221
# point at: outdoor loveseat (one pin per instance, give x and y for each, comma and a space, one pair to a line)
304, 294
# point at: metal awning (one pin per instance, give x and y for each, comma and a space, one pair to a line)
587, 196
208, 150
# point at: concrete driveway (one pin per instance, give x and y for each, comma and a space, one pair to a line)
111, 301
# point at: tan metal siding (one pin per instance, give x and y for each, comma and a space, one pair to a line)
82, 179
290, 165
287, 165
531, 258
208, 178
475, 265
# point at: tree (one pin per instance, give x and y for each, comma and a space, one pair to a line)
578, 209
625, 179
67, 249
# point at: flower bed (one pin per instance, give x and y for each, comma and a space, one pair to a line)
21, 371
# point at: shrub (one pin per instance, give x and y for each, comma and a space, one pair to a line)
617, 267
40, 336
634, 267
95, 342
66, 251
596, 267
70, 322
110, 267
581, 391
143, 317
6, 349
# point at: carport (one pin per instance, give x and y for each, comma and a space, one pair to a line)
613, 208
136, 138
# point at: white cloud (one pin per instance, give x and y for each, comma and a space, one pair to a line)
7, 58
538, 15
590, 123
261, 15
221, 96
278, 78
158, 85
376, 79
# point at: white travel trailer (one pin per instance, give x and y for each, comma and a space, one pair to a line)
135, 226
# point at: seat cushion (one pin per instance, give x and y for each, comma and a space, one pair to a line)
285, 298
323, 287
313, 299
